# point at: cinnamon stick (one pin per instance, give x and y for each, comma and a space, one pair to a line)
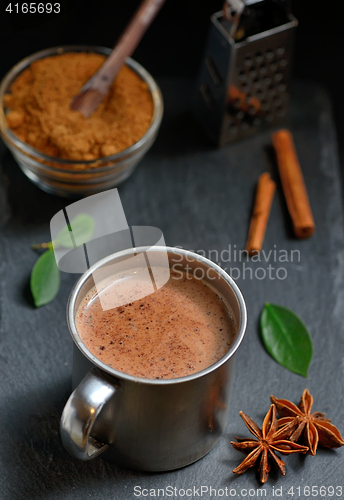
293, 184
235, 96
260, 215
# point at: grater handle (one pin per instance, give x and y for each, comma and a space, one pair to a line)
232, 10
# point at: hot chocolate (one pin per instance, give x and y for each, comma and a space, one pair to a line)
180, 329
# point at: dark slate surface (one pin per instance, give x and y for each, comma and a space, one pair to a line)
201, 199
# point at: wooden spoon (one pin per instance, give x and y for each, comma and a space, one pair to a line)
96, 88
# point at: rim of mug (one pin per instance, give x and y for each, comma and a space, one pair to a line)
122, 375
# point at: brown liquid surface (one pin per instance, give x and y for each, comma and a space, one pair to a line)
181, 329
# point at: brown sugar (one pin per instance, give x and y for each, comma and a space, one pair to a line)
40, 115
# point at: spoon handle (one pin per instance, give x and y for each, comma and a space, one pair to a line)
99, 84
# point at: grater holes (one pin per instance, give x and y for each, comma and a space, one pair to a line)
207, 95
264, 105
260, 79
242, 75
271, 90
213, 71
280, 51
248, 60
269, 55
259, 57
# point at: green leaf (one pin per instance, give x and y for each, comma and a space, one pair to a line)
81, 230
45, 279
286, 338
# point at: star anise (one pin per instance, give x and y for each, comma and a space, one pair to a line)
269, 440
312, 429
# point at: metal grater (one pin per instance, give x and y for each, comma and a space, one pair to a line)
243, 84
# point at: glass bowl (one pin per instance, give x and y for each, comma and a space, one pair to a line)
78, 178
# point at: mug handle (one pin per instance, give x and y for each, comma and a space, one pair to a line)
80, 413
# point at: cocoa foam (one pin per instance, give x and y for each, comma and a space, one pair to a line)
180, 329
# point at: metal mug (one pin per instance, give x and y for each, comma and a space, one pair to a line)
148, 424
